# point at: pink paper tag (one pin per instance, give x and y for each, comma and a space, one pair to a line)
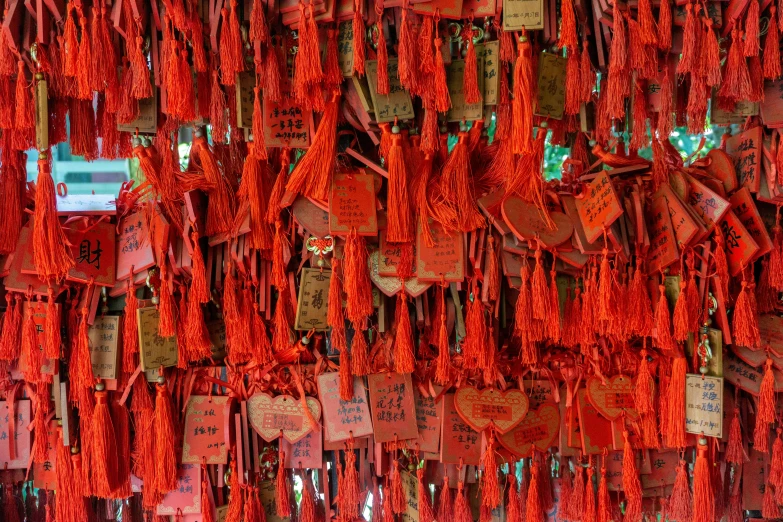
187, 495
206, 430
21, 435
307, 452
343, 418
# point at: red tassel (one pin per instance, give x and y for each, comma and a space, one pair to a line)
490, 490
272, 90
165, 455
492, 272
130, 330
473, 348
756, 79
539, 290
470, 78
587, 76
424, 502
648, 30
167, 323
710, 55
237, 335
69, 506
765, 413
217, 111
456, 186
282, 492
776, 463
736, 79
680, 504
142, 88
771, 66
617, 82
522, 105
39, 452
231, 57
573, 83
31, 353
80, 366
703, 495
524, 322
689, 59
199, 56
681, 321
258, 29
752, 45
83, 64
312, 174
333, 76
590, 513
51, 256
360, 364
308, 59
568, 39
71, 43
207, 514
675, 423
744, 324
346, 378
445, 505
7, 60
639, 138
604, 502
358, 38
356, 279
104, 447
10, 342
307, 506
631, 485
443, 363
406, 57
404, 360
25, 115
441, 90
350, 485
735, 454
662, 335
235, 504
534, 511
564, 510
383, 60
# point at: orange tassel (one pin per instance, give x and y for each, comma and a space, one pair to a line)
513, 507
490, 490
639, 137
39, 451
71, 43
231, 58
406, 57
217, 111
462, 511
523, 103
539, 290
456, 186
568, 39
281, 338
443, 363
207, 514
492, 272
776, 463
312, 174
130, 330
703, 494
83, 64
199, 56
25, 115
308, 59
404, 360
524, 322
279, 243
31, 353
51, 256
665, 26
350, 484
662, 336
631, 485
473, 348
235, 504
617, 81
165, 455
346, 378
333, 76
647, 26
307, 506
360, 364
604, 502
282, 492
590, 513
680, 504
142, 88
10, 343
675, 423
104, 447
688, 61
573, 83
765, 413
772, 49
69, 506
51, 346
681, 321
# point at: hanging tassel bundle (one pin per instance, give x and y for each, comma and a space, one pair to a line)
399, 227
167, 323
104, 446
631, 486
404, 360
675, 425
51, 256
424, 503
130, 330
735, 453
356, 279
744, 322
534, 511
164, 440
443, 362
312, 174
736, 79
771, 59
662, 335
523, 103
680, 504
765, 413
703, 494
445, 504
462, 511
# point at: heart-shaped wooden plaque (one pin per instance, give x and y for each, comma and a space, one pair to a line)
270, 416
525, 221
613, 398
538, 429
482, 408
390, 286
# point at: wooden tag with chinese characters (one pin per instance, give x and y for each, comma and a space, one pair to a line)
742, 110
460, 110
21, 454
704, 405
613, 398
754, 473
307, 452
104, 335
663, 467
343, 418
525, 221
490, 53
721, 166
206, 430
741, 374
685, 228
428, 415
313, 297
445, 260
345, 47
745, 149
738, 243
478, 8
594, 429
458, 440
147, 120
45, 473
313, 218
490, 407
410, 484
352, 204
519, 14
283, 414
744, 207
156, 351
389, 257
451, 9
599, 207
539, 428
390, 286
538, 392
134, 246
663, 247
551, 86
245, 95
709, 206
286, 124
393, 408
397, 103
186, 497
